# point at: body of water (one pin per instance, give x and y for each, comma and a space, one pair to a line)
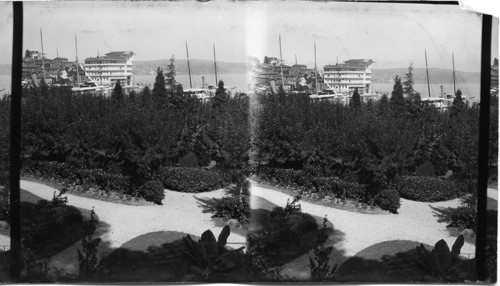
4, 83
471, 90
235, 82
238, 82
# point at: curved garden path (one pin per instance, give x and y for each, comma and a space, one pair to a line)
180, 212
416, 221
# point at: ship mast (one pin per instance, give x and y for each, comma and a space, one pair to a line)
77, 72
281, 65
189, 68
427, 70
215, 67
315, 67
43, 63
454, 86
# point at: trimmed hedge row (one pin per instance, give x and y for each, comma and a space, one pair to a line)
386, 200
285, 177
64, 172
427, 189
339, 188
191, 180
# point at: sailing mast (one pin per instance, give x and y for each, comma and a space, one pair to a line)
215, 67
454, 86
281, 65
427, 70
189, 68
315, 67
77, 72
43, 63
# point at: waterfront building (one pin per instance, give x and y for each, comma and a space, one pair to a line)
345, 77
108, 69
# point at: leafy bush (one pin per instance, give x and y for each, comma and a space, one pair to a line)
233, 207
426, 189
340, 189
190, 160
464, 217
152, 191
426, 170
388, 200
190, 180
285, 177
89, 262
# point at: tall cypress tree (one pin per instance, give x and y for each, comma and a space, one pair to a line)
397, 98
170, 74
159, 89
409, 81
117, 91
356, 99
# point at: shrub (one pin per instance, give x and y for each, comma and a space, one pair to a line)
233, 207
190, 160
464, 217
426, 170
388, 200
426, 189
104, 180
190, 180
152, 191
285, 177
340, 189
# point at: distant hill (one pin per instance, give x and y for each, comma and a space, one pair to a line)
198, 67
419, 74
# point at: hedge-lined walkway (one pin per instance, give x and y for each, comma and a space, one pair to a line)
180, 212
416, 221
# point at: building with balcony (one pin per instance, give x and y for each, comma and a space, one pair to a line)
108, 69
345, 77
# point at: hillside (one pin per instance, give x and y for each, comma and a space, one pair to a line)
197, 67
419, 74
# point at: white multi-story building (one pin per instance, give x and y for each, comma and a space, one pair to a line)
351, 74
108, 69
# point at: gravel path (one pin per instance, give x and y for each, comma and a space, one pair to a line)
180, 212
416, 221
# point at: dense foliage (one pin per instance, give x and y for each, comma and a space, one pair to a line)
328, 186
388, 199
122, 143
371, 144
427, 189
190, 180
289, 233
47, 228
233, 207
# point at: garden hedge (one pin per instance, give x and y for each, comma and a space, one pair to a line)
152, 191
388, 200
427, 189
190, 180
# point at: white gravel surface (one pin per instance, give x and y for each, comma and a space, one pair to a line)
180, 212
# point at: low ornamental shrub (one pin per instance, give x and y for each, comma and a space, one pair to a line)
190, 180
427, 189
233, 207
464, 217
104, 180
190, 160
389, 200
339, 188
152, 191
290, 178
50, 170
426, 170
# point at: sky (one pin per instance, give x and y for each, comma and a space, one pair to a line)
393, 35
